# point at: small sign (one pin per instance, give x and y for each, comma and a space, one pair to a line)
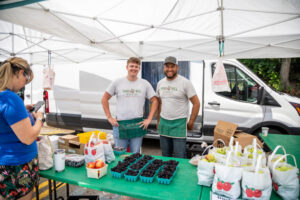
214, 196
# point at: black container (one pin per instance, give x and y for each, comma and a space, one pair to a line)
194, 150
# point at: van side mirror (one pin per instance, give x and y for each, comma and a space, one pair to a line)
261, 95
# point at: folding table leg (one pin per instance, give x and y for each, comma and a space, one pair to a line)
50, 189
68, 190
54, 186
37, 194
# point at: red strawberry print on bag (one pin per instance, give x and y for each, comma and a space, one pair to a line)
221, 185
252, 192
275, 185
86, 152
257, 193
94, 152
249, 192
227, 186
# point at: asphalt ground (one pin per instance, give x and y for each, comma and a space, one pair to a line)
149, 146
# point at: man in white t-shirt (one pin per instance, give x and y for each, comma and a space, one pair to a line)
174, 93
129, 127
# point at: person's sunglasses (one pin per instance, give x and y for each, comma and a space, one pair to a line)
27, 76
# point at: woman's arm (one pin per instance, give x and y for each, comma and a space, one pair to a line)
27, 133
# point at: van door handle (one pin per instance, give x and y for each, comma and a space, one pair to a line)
214, 103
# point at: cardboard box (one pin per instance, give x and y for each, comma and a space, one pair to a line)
76, 147
245, 139
63, 142
224, 130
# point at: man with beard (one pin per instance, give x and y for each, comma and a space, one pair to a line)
129, 127
174, 93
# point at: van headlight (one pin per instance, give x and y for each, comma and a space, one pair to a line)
296, 106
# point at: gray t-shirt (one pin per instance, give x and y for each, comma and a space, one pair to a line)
131, 96
175, 95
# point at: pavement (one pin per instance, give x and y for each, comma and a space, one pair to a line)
149, 147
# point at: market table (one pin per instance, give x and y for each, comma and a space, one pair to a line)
183, 186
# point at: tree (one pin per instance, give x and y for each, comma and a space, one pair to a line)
284, 72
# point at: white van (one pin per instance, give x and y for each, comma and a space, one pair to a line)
75, 101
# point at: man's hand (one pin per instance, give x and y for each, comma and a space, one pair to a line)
145, 123
190, 126
113, 121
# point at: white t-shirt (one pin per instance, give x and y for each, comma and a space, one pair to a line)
131, 96
175, 95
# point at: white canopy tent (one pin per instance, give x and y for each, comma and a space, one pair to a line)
36, 47
76, 30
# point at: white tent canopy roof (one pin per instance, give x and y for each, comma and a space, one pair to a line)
35, 46
154, 29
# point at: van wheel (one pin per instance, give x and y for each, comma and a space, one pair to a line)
277, 131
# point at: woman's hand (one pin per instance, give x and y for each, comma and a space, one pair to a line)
29, 107
38, 115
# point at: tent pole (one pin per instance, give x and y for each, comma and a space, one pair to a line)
34, 44
130, 49
117, 37
31, 90
49, 58
263, 11
12, 41
48, 49
222, 20
264, 26
66, 23
4, 38
222, 26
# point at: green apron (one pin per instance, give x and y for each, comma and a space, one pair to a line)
131, 129
172, 128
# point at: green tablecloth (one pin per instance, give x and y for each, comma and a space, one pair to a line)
183, 186
291, 144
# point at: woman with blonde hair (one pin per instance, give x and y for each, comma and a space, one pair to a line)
18, 148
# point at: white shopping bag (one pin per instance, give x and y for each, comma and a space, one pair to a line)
219, 80
205, 170
236, 147
94, 150
273, 157
219, 153
237, 150
285, 178
254, 150
45, 152
227, 179
257, 183
108, 151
